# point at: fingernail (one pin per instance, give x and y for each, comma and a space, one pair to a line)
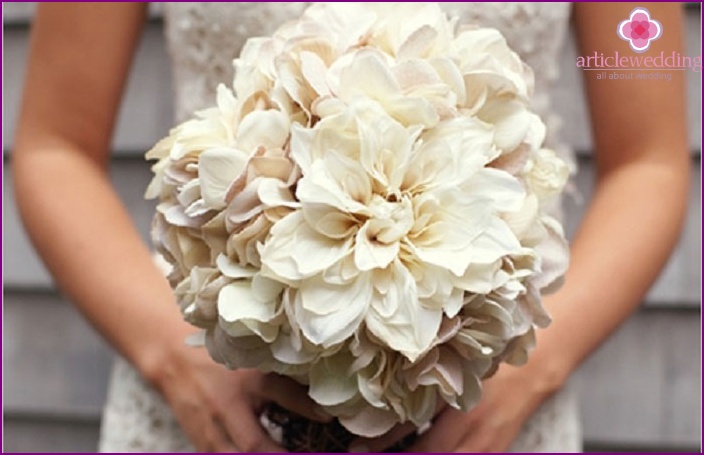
359, 448
320, 412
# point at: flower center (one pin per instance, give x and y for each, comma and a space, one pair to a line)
391, 220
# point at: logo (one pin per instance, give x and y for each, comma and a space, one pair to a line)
639, 30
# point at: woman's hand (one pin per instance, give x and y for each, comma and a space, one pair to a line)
219, 409
509, 398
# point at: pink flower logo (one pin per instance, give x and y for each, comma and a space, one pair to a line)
639, 29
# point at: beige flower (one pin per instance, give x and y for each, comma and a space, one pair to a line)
371, 209
367, 212
198, 296
546, 174
182, 247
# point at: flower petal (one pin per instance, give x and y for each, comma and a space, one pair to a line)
268, 129
330, 381
217, 169
370, 254
236, 301
329, 314
295, 251
399, 320
232, 270
369, 422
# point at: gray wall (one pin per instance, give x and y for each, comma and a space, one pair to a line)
640, 391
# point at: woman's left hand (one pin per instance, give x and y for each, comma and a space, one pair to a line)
509, 398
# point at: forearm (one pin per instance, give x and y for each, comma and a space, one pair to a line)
627, 234
97, 258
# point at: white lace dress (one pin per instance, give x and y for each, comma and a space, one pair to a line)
203, 39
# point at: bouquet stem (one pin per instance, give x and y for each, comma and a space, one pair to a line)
298, 434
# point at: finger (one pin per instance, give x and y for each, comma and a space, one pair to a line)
219, 438
207, 435
478, 442
203, 430
246, 433
384, 441
448, 430
292, 396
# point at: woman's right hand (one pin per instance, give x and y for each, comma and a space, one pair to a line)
219, 409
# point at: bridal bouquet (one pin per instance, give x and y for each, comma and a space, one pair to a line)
365, 211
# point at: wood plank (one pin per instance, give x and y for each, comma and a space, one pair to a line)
14, 13
41, 435
680, 281
643, 386
54, 362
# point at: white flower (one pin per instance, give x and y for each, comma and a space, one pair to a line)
369, 75
381, 208
182, 247
250, 306
546, 174
291, 66
367, 212
411, 30
220, 167
198, 296
489, 66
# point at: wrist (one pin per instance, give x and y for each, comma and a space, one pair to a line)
163, 358
547, 374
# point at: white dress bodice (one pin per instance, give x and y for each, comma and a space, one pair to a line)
203, 39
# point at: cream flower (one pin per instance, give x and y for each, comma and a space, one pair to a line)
198, 296
546, 174
489, 66
411, 30
291, 66
367, 212
368, 74
182, 247
380, 208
